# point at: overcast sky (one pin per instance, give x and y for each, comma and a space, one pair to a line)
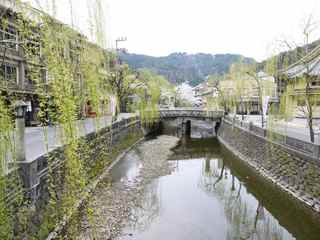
160, 27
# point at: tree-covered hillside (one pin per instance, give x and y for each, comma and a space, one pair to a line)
183, 67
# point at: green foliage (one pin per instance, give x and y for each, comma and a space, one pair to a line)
72, 231
95, 88
149, 95
67, 73
6, 229
123, 83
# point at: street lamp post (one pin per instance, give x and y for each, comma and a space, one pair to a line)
27, 170
20, 111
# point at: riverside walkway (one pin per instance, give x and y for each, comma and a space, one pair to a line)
33, 146
40, 140
35, 137
295, 128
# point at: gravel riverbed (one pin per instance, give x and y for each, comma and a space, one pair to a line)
115, 203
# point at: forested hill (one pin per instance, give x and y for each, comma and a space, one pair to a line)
183, 67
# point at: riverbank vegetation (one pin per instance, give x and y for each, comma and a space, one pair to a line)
72, 78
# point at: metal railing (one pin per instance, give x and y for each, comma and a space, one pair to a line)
308, 148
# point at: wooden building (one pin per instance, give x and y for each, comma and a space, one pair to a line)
17, 76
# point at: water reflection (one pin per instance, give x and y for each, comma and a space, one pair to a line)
147, 210
246, 217
203, 198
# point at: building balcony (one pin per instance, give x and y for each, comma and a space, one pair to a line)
8, 85
12, 86
29, 87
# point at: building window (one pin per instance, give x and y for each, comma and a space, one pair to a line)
9, 34
315, 83
9, 73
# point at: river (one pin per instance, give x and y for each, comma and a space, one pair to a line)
171, 188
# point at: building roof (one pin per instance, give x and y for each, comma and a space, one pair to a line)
309, 64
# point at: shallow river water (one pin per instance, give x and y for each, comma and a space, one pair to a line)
172, 189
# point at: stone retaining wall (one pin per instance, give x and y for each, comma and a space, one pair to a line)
296, 172
93, 147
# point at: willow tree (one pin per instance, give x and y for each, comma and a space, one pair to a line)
154, 86
10, 184
228, 94
243, 85
306, 59
6, 151
213, 84
252, 72
123, 83
66, 73
94, 74
60, 90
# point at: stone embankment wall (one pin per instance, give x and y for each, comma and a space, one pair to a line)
289, 163
94, 151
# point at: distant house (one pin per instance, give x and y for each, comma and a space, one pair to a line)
203, 92
167, 99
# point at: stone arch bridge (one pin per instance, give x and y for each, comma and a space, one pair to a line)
199, 114
184, 116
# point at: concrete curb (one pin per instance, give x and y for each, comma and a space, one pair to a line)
88, 191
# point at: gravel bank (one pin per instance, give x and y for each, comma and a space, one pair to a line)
114, 205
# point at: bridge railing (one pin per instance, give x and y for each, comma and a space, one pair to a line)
191, 112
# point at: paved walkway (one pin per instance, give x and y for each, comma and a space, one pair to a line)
296, 128
35, 137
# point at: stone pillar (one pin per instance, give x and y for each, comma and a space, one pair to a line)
30, 179
28, 170
20, 108
20, 139
317, 152
250, 126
